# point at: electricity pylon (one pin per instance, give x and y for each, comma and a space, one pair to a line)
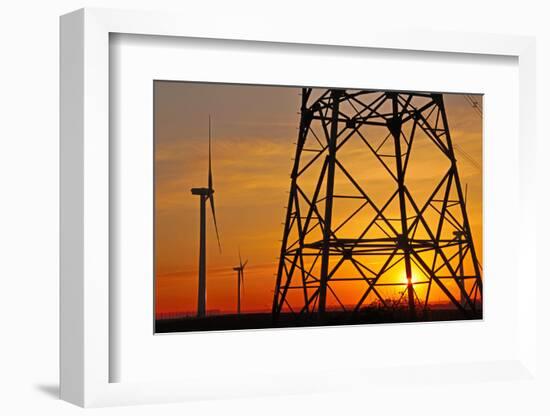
375, 209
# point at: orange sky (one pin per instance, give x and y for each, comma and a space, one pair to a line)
254, 128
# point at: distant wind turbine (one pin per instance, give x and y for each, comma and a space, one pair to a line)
240, 281
205, 194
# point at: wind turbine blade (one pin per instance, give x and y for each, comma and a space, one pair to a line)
245, 263
211, 198
242, 278
240, 259
210, 182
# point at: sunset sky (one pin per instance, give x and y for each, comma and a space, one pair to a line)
253, 131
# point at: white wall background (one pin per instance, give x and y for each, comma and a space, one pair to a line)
29, 81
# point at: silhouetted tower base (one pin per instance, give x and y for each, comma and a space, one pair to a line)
376, 217
239, 271
204, 194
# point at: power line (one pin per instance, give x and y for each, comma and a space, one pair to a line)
466, 156
473, 102
470, 159
477, 108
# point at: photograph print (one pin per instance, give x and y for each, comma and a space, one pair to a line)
297, 206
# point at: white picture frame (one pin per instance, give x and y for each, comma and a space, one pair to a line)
86, 355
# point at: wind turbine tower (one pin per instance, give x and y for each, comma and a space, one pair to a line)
206, 194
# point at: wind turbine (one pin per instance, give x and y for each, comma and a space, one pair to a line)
240, 280
206, 194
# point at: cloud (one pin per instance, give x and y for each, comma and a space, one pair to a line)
253, 146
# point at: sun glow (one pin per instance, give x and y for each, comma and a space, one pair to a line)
251, 168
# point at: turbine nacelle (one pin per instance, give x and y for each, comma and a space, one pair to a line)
202, 191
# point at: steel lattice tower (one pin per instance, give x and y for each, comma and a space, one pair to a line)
355, 229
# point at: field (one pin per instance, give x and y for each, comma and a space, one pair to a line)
332, 318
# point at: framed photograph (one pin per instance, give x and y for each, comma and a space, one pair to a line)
313, 215
379, 226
